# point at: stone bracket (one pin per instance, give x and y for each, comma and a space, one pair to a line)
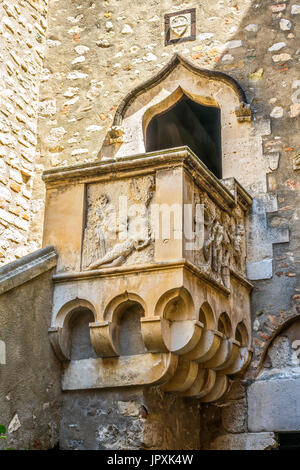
126, 371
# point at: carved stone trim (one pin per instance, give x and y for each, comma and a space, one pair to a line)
183, 355
176, 60
61, 342
180, 38
23, 270
141, 370
243, 113
160, 266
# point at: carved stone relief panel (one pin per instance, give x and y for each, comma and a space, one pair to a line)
224, 243
118, 229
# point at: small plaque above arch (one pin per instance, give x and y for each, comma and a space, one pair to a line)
180, 26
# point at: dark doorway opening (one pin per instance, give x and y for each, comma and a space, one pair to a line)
289, 441
191, 124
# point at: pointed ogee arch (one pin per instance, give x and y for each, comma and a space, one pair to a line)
176, 60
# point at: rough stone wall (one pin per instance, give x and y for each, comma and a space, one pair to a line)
129, 419
251, 414
22, 40
224, 426
30, 379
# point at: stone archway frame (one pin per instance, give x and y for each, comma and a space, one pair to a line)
60, 333
105, 334
176, 60
277, 330
171, 101
178, 77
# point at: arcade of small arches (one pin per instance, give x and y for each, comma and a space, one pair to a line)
200, 350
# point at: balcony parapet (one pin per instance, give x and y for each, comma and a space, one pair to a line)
190, 289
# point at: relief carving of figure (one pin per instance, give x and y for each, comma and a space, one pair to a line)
118, 254
213, 246
131, 227
223, 248
238, 246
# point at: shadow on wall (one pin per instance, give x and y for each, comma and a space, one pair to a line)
188, 123
81, 346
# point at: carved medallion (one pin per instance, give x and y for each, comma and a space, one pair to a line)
180, 26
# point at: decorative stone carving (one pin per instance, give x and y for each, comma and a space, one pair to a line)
113, 141
224, 240
114, 135
180, 26
183, 355
243, 112
181, 293
118, 224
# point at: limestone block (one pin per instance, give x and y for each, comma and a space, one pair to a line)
62, 224
246, 441
274, 405
141, 370
260, 270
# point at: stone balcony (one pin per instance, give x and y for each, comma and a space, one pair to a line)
166, 308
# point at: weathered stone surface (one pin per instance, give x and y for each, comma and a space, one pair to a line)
279, 352
129, 408
246, 441
274, 405
234, 417
111, 420
260, 270
18, 272
21, 68
30, 377
81, 98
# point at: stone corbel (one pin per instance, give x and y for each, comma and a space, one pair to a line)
206, 347
222, 355
240, 363
232, 357
243, 112
152, 334
113, 141
61, 342
114, 136
219, 388
181, 337
104, 338
202, 385
184, 377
